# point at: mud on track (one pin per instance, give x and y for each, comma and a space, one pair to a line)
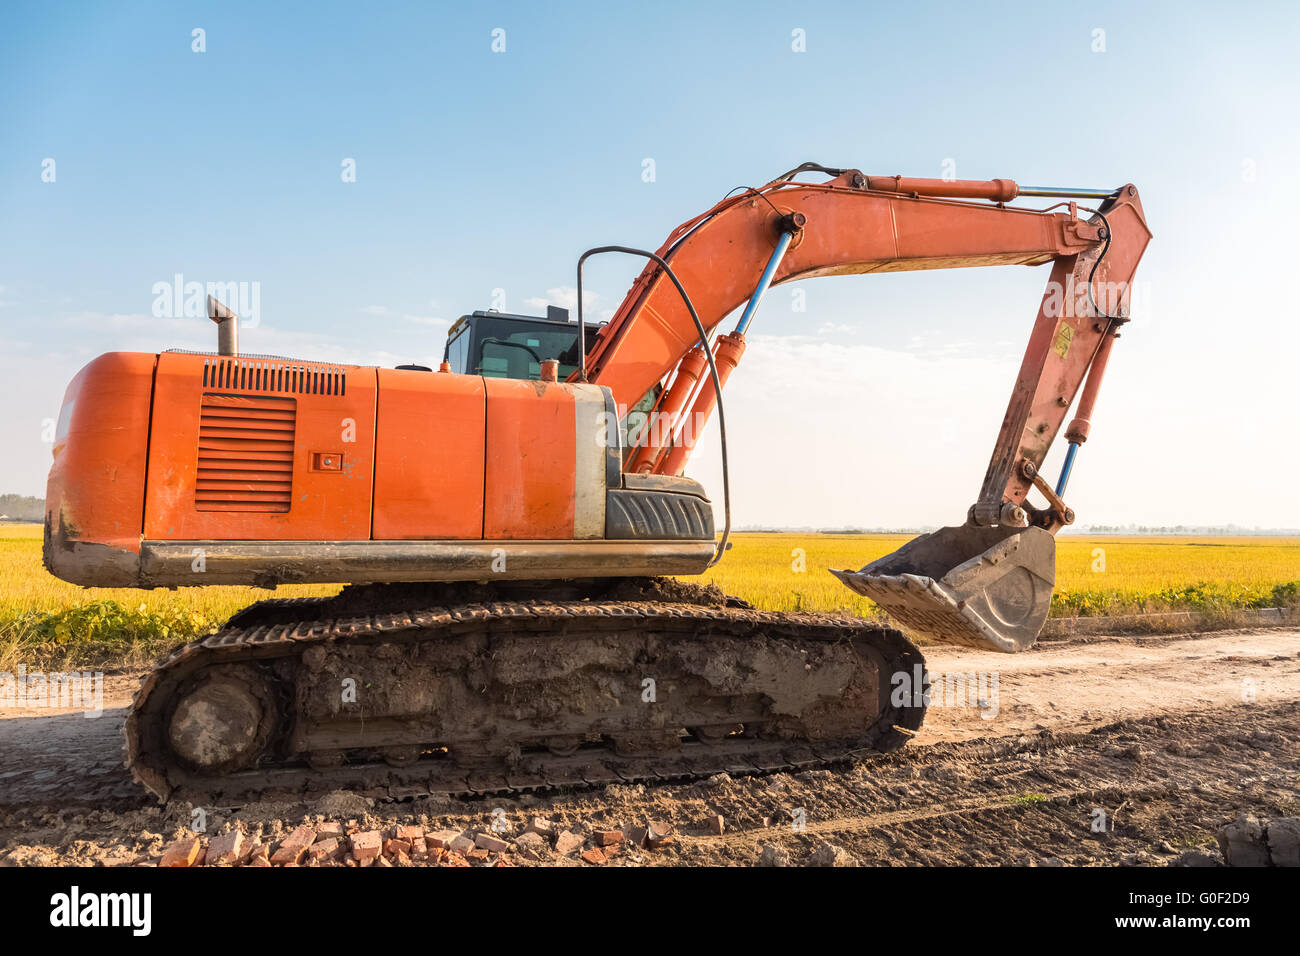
1152, 731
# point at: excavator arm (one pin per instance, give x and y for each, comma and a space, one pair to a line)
987, 582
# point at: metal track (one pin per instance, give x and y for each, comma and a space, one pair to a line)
275, 634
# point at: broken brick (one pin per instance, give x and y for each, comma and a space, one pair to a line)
715, 824
462, 845
394, 847
331, 829
181, 853
532, 845
485, 842
441, 840
538, 825
595, 855
294, 845
410, 834
226, 848
607, 837
659, 834
323, 849
635, 834
366, 846
477, 855
566, 842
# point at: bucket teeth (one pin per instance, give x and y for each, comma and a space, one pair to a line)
924, 605
985, 587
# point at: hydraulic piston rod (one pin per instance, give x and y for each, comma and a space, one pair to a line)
994, 190
1077, 433
764, 281
1066, 468
729, 349
1066, 192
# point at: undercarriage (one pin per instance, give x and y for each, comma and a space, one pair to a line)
470, 689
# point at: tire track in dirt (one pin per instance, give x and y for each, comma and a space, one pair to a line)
1008, 807
1086, 683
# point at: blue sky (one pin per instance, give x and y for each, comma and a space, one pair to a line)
478, 171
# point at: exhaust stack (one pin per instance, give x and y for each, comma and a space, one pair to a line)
227, 327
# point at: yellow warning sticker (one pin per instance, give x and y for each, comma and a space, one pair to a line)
1064, 336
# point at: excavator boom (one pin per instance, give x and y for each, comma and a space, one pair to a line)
987, 582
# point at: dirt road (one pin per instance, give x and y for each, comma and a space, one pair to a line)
1101, 750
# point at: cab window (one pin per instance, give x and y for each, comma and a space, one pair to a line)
458, 350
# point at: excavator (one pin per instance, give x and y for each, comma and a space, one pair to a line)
512, 530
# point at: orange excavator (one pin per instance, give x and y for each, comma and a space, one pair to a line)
511, 528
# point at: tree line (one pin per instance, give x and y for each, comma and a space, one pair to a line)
22, 507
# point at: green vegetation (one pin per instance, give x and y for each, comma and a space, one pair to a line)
1028, 799
47, 623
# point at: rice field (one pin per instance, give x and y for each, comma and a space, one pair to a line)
46, 621
1094, 575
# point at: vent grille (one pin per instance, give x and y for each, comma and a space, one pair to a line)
245, 453
298, 378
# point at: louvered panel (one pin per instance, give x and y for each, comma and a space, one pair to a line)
274, 438
234, 472
245, 453
218, 446
262, 375
234, 420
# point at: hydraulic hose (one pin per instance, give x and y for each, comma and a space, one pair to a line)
708, 354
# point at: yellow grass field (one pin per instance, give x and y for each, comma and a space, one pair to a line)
46, 620
1094, 575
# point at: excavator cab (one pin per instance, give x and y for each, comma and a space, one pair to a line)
503, 345
985, 587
